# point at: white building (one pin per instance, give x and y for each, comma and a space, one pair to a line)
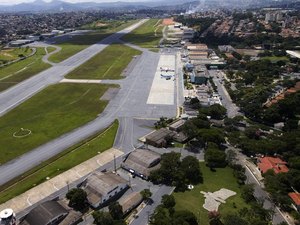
7, 217
103, 187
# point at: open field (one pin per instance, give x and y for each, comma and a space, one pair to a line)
66, 160
13, 54
50, 49
54, 111
19, 71
213, 181
80, 42
108, 64
147, 35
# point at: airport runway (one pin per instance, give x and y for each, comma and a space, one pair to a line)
130, 102
17, 94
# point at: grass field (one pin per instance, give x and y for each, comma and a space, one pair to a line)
108, 64
22, 70
13, 53
50, 49
80, 42
63, 162
275, 59
56, 110
147, 35
213, 181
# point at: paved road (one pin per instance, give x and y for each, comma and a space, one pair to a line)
232, 109
259, 192
20, 92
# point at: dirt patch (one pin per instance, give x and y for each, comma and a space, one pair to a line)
99, 24
168, 21
110, 94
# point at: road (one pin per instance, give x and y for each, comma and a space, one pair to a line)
232, 109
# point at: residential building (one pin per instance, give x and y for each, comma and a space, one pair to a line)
272, 163
295, 196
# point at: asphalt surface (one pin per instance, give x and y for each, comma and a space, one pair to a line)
232, 109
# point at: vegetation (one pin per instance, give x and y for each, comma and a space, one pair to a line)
60, 163
54, 111
80, 42
146, 194
147, 35
77, 198
113, 217
177, 173
212, 181
166, 214
8, 55
22, 70
108, 64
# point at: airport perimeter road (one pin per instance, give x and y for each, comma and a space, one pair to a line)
21, 92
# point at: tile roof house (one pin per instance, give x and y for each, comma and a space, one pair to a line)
272, 163
296, 199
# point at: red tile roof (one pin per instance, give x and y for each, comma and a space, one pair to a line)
272, 163
295, 197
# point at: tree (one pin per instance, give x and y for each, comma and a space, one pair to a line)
234, 220
185, 216
247, 192
102, 218
168, 201
215, 157
217, 111
115, 211
77, 198
146, 194
191, 169
161, 216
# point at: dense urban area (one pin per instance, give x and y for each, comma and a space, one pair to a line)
183, 113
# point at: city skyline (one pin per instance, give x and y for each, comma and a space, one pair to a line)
14, 2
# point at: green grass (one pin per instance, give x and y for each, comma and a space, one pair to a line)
63, 162
81, 42
13, 53
213, 181
22, 70
275, 59
56, 110
108, 64
147, 35
50, 49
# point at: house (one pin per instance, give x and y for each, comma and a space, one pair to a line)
160, 138
103, 187
47, 213
141, 162
130, 202
272, 163
296, 200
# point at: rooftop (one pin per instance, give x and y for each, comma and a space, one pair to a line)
272, 163
295, 197
44, 213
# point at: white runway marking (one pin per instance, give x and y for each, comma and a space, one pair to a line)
163, 86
